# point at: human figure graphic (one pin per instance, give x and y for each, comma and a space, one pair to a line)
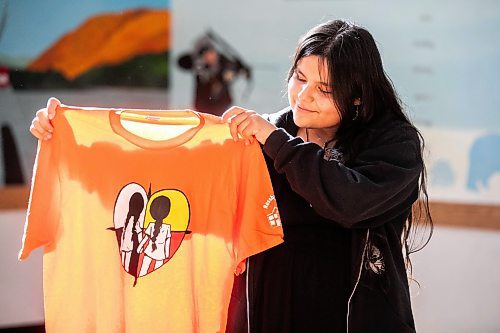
132, 234
158, 234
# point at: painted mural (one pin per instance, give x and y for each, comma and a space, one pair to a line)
98, 52
128, 47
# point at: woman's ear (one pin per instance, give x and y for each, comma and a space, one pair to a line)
357, 101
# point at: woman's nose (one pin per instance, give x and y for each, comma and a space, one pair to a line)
305, 93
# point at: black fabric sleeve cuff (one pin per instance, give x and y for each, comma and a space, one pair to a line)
275, 141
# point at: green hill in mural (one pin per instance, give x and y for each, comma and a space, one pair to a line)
150, 70
143, 71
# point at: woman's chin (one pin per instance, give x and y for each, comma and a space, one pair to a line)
300, 118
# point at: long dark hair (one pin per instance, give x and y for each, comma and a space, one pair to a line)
159, 209
356, 73
135, 207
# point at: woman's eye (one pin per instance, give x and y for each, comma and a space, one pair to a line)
326, 92
301, 79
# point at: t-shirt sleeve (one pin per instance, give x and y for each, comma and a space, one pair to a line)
258, 219
43, 207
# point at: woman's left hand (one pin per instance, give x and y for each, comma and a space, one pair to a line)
248, 124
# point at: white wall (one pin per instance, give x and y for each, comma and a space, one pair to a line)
459, 276
21, 299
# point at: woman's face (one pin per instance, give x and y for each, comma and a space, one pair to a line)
310, 96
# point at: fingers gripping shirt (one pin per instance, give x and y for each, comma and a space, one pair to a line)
145, 235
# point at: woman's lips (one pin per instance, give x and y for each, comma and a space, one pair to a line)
304, 109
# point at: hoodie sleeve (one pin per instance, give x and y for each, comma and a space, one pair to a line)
381, 180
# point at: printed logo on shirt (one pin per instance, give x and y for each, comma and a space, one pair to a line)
268, 202
149, 227
274, 216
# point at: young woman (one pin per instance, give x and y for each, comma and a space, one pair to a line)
347, 168
349, 179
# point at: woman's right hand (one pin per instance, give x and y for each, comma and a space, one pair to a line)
248, 124
41, 126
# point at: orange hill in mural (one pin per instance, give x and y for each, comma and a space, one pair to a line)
107, 39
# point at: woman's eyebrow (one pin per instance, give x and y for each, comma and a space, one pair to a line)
324, 84
297, 69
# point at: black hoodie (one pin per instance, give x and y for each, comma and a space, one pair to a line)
341, 268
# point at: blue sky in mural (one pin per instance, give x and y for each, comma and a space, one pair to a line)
33, 25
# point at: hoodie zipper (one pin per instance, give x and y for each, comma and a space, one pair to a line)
247, 294
358, 278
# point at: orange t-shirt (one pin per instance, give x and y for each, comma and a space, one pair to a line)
145, 235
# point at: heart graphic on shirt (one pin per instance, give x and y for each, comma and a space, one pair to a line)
149, 227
